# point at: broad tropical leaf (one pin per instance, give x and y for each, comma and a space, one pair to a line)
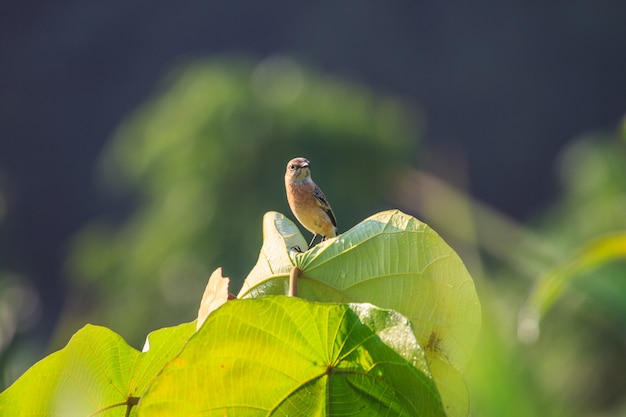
97, 373
393, 261
284, 356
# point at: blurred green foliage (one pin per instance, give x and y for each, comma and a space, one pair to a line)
204, 160
592, 208
20, 307
576, 366
593, 174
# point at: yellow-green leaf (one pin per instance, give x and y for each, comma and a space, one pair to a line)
97, 373
393, 261
283, 356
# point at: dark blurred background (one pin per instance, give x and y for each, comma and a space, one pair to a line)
499, 87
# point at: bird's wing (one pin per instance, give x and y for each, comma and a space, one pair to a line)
323, 203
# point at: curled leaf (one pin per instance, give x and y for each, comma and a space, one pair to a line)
393, 261
215, 295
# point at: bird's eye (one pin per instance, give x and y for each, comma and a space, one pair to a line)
292, 167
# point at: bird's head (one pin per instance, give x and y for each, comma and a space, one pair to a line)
298, 169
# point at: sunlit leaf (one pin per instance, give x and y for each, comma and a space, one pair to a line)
97, 373
550, 287
393, 261
289, 357
281, 240
215, 295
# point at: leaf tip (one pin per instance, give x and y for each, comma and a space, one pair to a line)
215, 295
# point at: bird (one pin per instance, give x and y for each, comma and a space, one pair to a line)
307, 201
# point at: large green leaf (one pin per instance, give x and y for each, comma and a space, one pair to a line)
283, 356
393, 261
97, 373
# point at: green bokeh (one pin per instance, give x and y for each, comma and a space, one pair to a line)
575, 367
204, 159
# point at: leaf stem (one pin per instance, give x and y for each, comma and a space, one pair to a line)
293, 281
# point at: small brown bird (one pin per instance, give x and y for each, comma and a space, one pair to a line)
307, 202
